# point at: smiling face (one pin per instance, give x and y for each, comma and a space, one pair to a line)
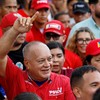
91, 82
39, 62
58, 60
83, 39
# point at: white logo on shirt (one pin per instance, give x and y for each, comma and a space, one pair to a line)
55, 92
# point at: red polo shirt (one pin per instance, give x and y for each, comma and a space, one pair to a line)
72, 60
36, 35
15, 82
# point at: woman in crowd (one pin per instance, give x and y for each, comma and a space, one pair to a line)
58, 55
79, 41
93, 53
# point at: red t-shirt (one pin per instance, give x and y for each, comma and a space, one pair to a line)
29, 36
15, 82
72, 60
36, 35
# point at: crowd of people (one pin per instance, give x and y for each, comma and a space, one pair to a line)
49, 49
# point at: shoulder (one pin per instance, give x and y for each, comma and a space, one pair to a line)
70, 53
59, 78
82, 24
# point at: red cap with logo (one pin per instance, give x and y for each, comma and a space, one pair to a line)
93, 48
9, 19
54, 26
39, 4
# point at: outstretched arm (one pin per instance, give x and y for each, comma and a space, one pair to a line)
20, 26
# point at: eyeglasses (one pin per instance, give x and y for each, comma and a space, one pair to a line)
52, 35
81, 41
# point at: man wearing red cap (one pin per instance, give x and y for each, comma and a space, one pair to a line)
38, 61
16, 51
42, 6
93, 53
55, 31
7, 6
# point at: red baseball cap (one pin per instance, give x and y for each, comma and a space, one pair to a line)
93, 48
9, 19
54, 26
38, 4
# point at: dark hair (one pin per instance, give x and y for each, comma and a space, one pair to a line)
88, 59
2, 2
96, 95
93, 1
77, 74
53, 45
27, 96
59, 14
68, 1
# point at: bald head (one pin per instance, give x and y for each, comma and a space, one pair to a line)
34, 47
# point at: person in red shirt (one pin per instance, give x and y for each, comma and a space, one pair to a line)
24, 7
42, 6
58, 56
38, 61
55, 31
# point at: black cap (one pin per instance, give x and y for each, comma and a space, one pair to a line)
81, 7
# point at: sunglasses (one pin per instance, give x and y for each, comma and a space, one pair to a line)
54, 36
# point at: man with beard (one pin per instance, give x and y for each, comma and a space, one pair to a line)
93, 22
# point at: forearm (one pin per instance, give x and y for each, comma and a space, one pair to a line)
6, 41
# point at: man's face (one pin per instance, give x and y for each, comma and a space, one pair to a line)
43, 15
81, 16
97, 9
58, 59
39, 62
91, 82
54, 37
20, 38
70, 7
65, 19
9, 6
95, 61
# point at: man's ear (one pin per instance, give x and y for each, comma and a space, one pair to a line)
27, 64
64, 38
92, 7
77, 92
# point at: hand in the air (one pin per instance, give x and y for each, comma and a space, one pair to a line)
24, 24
